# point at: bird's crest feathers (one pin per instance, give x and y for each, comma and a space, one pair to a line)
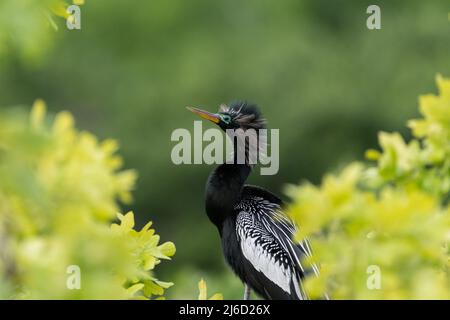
245, 114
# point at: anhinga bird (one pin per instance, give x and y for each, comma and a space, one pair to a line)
257, 238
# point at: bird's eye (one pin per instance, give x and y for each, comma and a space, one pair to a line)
225, 118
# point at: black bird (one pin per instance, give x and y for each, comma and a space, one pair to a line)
257, 238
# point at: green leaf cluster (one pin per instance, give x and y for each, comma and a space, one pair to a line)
387, 223
26, 26
60, 188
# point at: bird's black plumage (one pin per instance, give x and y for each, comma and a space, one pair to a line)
257, 238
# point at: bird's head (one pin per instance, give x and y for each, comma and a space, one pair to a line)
237, 115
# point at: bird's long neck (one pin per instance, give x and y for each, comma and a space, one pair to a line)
223, 190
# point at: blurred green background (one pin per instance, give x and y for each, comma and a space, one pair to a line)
320, 76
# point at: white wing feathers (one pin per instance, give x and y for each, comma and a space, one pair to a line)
266, 240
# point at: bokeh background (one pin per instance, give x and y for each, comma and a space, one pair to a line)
320, 76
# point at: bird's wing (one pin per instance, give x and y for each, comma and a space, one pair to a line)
275, 276
266, 240
277, 223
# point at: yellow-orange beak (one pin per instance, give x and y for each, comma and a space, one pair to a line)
205, 114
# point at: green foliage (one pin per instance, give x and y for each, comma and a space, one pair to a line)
203, 292
144, 248
312, 66
27, 26
394, 216
59, 190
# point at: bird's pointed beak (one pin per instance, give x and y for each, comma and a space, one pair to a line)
213, 117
